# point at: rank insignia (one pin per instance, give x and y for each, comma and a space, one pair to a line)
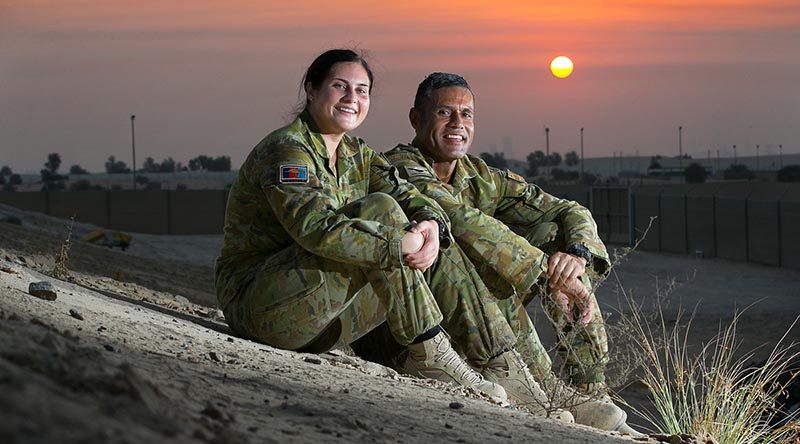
417, 171
515, 176
294, 174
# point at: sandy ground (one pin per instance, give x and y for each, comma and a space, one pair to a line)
134, 351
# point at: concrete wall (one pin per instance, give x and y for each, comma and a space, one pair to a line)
197, 212
731, 228
153, 212
25, 201
673, 223
790, 234
700, 226
736, 228
763, 242
646, 208
86, 206
610, 208
139, 211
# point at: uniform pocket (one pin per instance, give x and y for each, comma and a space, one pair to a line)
288, 309
281, 287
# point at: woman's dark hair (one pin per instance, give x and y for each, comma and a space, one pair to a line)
321, 66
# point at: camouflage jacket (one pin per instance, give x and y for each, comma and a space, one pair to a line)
286, 193
487, 207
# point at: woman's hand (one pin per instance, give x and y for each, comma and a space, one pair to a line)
423, 257
411, 243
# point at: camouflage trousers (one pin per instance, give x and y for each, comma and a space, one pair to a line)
299, 301
583, 351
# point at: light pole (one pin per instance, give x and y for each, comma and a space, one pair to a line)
547, 153
133, 148
757, 147
734, 154
680, 148
581, 156
614, 163
717, 161
780, 155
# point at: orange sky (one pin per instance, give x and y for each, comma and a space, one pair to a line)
212, 77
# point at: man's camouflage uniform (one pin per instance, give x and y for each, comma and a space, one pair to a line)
311, 257
508, 228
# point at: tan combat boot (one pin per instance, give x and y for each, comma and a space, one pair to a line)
591, 406
436, 359
512, 374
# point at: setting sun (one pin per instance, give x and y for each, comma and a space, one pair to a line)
561, 67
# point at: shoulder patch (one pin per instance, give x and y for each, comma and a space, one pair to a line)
293, 174
515, 176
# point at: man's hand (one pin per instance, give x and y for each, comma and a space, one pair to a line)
564, 267
569, 304
424, 257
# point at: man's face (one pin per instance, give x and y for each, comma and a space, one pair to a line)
445, 124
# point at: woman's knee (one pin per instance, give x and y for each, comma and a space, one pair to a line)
383, 208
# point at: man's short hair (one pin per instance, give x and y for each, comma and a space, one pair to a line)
436, 81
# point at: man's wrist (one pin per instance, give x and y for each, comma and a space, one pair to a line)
581, 251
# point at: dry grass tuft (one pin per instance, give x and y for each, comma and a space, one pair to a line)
60, 269
716, 392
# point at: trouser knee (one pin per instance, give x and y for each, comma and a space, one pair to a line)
379, 207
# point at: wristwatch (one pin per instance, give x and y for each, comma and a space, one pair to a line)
444, 232
580, 251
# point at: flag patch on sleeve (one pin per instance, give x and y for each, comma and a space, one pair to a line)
293, 174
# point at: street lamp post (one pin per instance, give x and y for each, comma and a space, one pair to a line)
757, 147
581, 155
734, 154
680, 148
547, 153
133, 148
780, 155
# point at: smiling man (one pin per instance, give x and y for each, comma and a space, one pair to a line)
523, 241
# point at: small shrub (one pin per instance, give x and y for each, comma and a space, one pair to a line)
76, 169
695, 173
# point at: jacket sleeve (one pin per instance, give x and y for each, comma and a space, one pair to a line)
497, 251
385, 178
308, 213
525, 205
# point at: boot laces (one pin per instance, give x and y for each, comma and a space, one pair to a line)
451, 359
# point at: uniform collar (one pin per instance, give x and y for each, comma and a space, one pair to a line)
347, 147
462, 174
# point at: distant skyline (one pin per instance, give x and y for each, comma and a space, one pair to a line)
213, 78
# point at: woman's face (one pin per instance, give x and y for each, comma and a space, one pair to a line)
341, 102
